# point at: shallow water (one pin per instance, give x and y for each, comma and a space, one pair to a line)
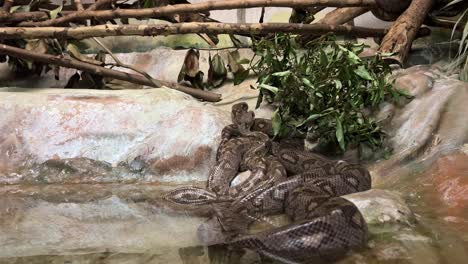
127, 223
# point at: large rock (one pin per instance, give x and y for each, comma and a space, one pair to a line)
169, 134
430, 125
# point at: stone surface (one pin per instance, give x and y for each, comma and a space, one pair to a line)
445, 186
426, 127
174, 135
381, 207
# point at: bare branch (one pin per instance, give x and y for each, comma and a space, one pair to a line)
184, 28
402, 33
119, 63
195, 8
86, 67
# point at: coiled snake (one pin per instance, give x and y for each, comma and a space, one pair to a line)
323, 224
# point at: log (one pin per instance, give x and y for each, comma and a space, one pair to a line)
62, 61
343, 15
184, 28
338, 16
400, 37
193, 8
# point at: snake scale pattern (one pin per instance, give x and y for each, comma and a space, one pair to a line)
283, 180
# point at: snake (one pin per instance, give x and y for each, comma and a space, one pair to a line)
305, 186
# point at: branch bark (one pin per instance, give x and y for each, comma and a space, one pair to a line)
184, 28
86, 67
342, 15
79, 5
338, 16
195, 8
404, 30
7, 4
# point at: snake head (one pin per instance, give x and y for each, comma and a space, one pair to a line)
242, 117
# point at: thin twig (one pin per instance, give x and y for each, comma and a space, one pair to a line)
119, 63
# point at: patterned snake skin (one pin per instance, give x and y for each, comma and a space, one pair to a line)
303, 185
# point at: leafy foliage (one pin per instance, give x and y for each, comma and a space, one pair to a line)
461, 60
324, 90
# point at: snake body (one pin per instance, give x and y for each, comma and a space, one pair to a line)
303, 185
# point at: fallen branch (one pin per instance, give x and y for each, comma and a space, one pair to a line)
194, 8
184, 28
86, 67
400, 37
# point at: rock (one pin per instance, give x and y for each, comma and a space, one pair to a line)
164, 133
381, 207
430, 125
447, 180
416, 83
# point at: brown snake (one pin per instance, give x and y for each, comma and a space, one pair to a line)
324, 225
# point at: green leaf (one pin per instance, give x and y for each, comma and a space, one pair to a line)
269, 88
240, 76
309, 119
281, 74
307, 83
276, 122
363, 73
338, 84
340, 134
54, 13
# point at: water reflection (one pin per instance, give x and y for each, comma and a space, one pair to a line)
126, 223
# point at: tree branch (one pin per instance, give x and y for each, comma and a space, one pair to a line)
7, 4
184, 28
338, 16
404, 30
79, 5
343, 15
86, 67
195, 8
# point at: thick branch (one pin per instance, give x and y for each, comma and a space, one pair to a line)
184, 28
196, 8
338, 16
86, 67
402, 33
343, 15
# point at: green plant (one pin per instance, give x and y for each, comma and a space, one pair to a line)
323, 89
461, 59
